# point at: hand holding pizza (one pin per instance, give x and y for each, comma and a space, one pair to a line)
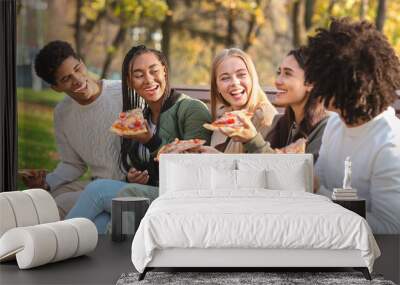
245, 133
298, 146
236, 125
132, 125
181, 146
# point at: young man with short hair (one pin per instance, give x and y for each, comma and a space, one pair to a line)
81, 124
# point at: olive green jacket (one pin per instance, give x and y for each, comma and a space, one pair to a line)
184, 120
182, 117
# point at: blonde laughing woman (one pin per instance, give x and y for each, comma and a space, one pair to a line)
235, 86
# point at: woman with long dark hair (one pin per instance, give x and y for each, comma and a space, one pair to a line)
305, 116
168, 115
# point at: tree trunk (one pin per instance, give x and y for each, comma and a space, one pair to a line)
214, 43
309, 12
117, 42
330, 7
230, 29
251, 30
78, 30
380, 15
166, 27
248, 41
299, 33
363, 9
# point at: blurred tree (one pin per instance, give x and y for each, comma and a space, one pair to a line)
309, 12
77, 26
227, 22
190, 32
363, 9
125, 14
298, 23
380, 15
166, 29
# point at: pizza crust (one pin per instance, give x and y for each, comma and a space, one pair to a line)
180, 146
210, 127
120, 132
237, 125
298, 146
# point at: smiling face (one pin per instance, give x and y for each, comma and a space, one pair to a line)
290, 80
148, 77
72, 78
234, 81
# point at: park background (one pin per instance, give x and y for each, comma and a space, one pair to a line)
189, 32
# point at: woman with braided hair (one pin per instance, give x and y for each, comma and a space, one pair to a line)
168, 115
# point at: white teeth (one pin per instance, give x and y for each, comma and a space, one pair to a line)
151, 88
237, 92
82, 87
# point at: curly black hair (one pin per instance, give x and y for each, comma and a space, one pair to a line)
50, 57
353, 64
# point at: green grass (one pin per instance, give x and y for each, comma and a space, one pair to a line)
46, 97
36, 143
35, 138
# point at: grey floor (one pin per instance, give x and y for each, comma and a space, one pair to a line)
110, 260
389, 263
102, 266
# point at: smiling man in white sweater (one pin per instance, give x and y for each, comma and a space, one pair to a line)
81, 124
356, 72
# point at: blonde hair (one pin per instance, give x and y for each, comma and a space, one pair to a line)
256, 95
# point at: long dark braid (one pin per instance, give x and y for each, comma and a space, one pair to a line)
129, 155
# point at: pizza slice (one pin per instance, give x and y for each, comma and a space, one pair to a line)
298, 146
180, 146
228, 120
129, 123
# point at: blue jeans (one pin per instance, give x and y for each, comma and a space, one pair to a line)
95, 201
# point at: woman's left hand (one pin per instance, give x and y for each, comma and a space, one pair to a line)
245, 134
136, 176
142, 138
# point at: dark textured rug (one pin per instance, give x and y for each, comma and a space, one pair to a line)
273, 278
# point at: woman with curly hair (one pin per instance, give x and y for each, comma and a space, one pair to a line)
356, 73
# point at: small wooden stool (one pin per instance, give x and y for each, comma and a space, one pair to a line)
122, 206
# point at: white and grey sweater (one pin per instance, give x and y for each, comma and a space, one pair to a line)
83, 137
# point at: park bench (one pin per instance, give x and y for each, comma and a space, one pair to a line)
203, 93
